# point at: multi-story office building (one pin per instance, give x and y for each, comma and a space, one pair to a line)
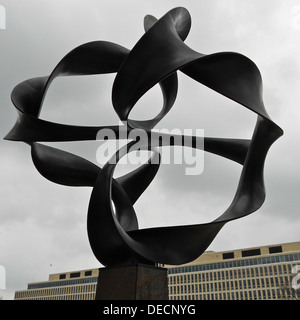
260, 273
75, 285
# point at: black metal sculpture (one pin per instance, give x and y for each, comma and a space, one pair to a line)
114, 235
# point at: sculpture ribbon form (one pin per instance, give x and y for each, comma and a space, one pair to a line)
114, 235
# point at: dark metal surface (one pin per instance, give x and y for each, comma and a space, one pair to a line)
138, 282
115, 237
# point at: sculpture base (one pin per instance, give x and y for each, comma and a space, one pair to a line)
136, 282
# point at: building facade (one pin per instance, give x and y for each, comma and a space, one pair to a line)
75, 285
260, 273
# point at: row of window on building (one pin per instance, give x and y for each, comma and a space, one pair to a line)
230, 285
83, 296
68, 291
254, 272
269, 294
62, 283
280, 259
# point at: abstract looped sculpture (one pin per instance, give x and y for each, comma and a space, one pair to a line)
114, 235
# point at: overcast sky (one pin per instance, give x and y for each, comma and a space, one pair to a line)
43, 225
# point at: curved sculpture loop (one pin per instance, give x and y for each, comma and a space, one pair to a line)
113, 232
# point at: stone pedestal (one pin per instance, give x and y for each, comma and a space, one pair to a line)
136, 282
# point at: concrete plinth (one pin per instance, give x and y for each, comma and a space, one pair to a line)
137, 282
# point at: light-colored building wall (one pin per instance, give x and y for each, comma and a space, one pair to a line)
75, 285
260, 273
